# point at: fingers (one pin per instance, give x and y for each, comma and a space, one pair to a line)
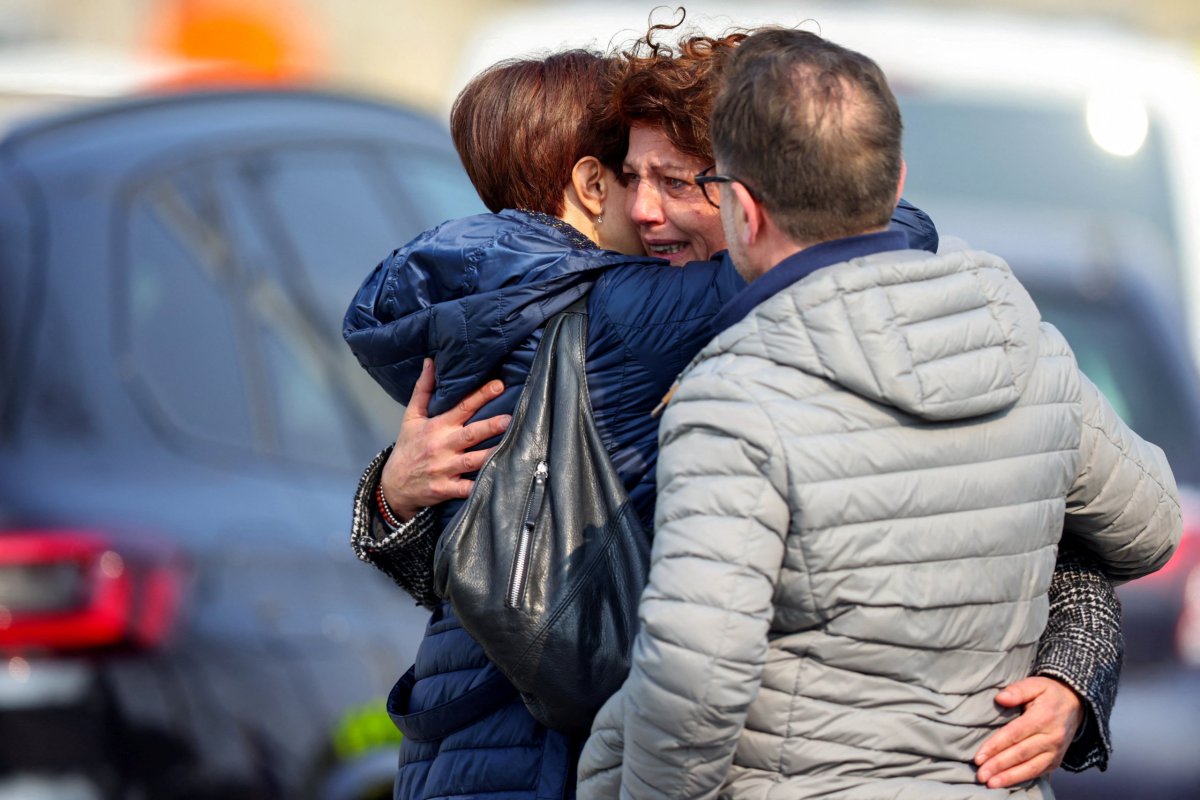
476, 432
431, 455
1021, 765
1007, 737
472, 461
1021, 692
1035, 742
418, 405
473, 402
1034, 719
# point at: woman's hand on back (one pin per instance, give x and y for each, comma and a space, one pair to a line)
433, 453
1034, 743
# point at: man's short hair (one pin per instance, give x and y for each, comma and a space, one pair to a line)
812, 130
521, 125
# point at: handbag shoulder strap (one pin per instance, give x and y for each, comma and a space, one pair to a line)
580, 306
570, 352
558, 365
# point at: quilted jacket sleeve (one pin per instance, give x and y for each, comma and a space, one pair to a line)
718, 549
1124, 506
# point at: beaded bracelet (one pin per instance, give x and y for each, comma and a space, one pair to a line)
385, 510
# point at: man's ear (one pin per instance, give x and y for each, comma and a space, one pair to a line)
903, 176
748, 220
588, 181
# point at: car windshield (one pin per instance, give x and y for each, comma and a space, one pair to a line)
1006, 175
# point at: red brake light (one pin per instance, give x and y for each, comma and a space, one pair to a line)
1187, 632
1185, 557
1185, 568
76, 590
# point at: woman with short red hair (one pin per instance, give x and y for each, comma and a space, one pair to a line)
474, 294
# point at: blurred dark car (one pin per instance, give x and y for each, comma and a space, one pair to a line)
182, 429
1132, 350
1132, 347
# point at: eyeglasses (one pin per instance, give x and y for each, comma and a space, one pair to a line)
709, 178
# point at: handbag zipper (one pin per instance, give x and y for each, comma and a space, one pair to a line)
521, 562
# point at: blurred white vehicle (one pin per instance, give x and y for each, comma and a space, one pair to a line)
1060, 142
1073, 150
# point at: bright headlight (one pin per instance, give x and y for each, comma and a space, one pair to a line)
1117, 120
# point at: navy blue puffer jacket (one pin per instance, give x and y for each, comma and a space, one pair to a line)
474, 294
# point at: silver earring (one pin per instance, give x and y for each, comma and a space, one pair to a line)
600, 220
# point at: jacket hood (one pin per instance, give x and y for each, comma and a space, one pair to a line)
940, 337
467, 293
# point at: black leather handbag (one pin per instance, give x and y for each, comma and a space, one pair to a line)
545, 562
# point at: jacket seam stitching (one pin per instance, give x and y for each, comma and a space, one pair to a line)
1127, 458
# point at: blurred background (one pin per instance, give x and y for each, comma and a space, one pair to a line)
190, 192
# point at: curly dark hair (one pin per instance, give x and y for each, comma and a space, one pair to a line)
671, 86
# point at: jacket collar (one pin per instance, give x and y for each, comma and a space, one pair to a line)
803, 264
940, 337
574, 236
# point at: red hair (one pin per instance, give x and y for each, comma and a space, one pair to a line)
521, 125
671, 88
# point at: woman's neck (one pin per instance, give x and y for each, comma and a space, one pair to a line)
580, 220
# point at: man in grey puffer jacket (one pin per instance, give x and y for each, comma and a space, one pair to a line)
863, 479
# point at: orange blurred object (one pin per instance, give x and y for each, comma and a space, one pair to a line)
236, 41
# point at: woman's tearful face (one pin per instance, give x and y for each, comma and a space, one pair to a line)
673, 219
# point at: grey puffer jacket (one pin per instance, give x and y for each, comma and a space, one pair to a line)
862, 488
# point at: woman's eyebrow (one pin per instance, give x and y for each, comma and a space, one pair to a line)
659, 167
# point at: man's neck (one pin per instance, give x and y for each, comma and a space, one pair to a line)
780, 247
802, 262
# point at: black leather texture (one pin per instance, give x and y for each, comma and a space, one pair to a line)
546, 574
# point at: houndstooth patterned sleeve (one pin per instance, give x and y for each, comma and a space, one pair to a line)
404, 554
1083, 647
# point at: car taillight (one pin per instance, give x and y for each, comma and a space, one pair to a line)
1184, 566
1187, 633
1170, 576
77, 590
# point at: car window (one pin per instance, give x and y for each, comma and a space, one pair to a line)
336, 213
310, 376
1134, 370
337, 219
257, 255
307, 410
1029, 154
16, 271
179, 330
435, 187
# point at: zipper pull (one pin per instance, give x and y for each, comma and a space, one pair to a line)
662, 406
540, 473
537, 495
